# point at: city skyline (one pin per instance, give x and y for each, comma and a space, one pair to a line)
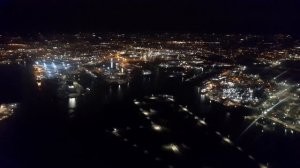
149, 84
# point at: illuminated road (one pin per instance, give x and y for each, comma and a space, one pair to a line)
280, 75
264, 113
284, 124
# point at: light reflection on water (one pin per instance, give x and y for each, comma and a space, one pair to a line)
120, 92
226, 121
72, 104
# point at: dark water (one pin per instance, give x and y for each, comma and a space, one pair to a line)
10, 83
45, 133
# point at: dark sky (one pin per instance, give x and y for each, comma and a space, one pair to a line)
232, 16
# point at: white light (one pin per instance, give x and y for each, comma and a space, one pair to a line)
111, 63
146, 113
116, 132
202, 122
136, 102
172, 147
227, 140
72, 103
156, 127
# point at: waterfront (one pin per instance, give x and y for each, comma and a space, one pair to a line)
45, 133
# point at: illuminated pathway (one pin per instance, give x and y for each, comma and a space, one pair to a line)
284, 124
172, 151
280, 74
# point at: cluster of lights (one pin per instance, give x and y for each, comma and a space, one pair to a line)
234, 88
6, 110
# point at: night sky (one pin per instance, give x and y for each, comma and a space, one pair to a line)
227, 16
